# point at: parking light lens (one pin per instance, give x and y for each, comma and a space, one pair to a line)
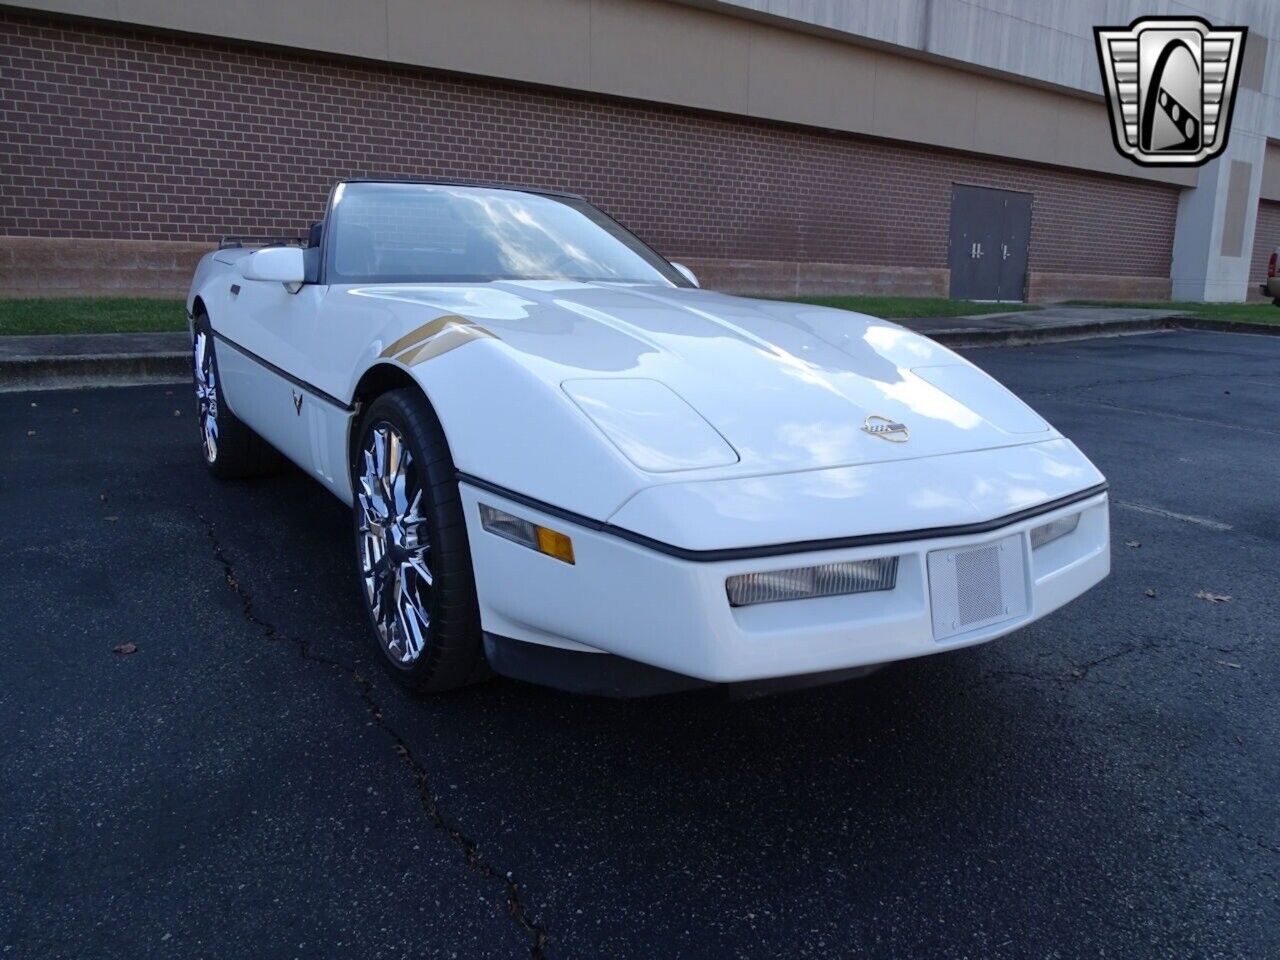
553, 543
1051, 531
824, 580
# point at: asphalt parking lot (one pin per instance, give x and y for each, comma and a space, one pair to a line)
248, 783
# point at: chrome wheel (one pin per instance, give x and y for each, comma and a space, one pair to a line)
206, 379
395, 547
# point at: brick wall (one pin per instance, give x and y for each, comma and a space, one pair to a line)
1266, 238
116, 134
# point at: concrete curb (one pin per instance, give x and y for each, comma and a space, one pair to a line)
1229, 326
92, 370
53, 372
1024, 336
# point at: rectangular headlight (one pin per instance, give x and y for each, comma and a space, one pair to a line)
1053, 530
824, 580
553, 543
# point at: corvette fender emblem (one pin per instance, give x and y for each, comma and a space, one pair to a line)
297, 401
886, 429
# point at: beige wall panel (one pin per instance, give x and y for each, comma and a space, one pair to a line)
545, 41
1271, 173
1237, 212
1012, 120
802, 79
1084, 140
334, 26
1253, 62
670, 53
925, 103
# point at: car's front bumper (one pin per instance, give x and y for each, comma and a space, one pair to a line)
671, 612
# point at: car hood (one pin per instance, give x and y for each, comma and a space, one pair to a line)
789, 386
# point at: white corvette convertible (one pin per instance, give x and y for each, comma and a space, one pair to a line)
567, 463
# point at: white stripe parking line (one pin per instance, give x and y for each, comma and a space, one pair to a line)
1174, 515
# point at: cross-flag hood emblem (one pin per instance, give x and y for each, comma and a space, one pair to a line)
886, 429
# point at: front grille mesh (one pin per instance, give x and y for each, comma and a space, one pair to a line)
975, 587
978, 592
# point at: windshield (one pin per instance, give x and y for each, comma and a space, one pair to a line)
436, 233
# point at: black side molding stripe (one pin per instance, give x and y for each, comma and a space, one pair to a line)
285, 374
781, 549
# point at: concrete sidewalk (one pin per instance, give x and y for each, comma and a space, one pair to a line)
117, 359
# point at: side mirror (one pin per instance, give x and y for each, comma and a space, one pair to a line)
686, 273
281, 264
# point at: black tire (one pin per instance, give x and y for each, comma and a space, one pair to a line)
236, 451
453, 652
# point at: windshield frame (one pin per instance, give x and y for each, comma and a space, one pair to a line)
330, 275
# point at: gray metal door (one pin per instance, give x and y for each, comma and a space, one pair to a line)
1015, 237
990, 230
975, 242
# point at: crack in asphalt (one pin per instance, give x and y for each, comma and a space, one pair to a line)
428, 800
1201, 810
1078, 672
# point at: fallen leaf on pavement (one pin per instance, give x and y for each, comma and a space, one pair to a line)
1213, 597
1133, 543
125, 648
1149, 592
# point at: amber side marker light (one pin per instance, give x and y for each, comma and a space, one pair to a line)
553, 543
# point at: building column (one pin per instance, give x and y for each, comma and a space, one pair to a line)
1213, 238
